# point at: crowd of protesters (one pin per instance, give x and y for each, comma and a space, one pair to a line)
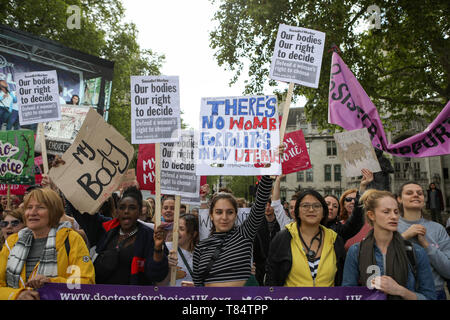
313, 240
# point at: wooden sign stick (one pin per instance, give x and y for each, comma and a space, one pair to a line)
43, 147
157, 185
173, 271
8, 197
286, 106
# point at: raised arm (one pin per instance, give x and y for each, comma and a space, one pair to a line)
280, 213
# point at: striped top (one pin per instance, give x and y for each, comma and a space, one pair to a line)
314, 266
234, 262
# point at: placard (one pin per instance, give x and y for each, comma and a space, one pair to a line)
37, 97
239, 136
155, 109
356, 152
297, 56
94, 164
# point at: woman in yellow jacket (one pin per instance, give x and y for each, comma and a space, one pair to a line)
45, 251
306, 254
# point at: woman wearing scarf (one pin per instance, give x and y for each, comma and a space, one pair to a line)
43, 251
381, 260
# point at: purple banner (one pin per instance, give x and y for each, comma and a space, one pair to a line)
62, 291
350, 107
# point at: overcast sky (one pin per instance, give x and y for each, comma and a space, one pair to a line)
179, 29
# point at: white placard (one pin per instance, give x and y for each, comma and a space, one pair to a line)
37, 97
239, 136
155, 109
297, 56
355, 150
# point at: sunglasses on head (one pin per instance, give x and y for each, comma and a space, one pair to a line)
14, 223
349, 199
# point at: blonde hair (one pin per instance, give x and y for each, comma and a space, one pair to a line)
149, 207
370, 198
51, 200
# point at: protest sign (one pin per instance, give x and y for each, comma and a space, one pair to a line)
17, 157
205, 224
295, 157
155, 109
178, 175
350, 107
356, 152
38, 97
297, 56
128, 179
19, 189
94, 164
59, 135
239, 136
64, 291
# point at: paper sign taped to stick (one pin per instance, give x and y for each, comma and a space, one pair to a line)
38, 97
94, 164
355, 150
297, 56
239, 136
59, 135
155, 109
17, 157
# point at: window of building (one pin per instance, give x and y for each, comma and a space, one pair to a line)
327, 172
445, 172
300, 176
309, 175
331, 148
337, 172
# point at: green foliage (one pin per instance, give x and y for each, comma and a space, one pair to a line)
404, 66
239, 185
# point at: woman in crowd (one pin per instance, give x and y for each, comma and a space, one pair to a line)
306, 253
12, 222
147, 211
430, 235
43, 251
7, 100
188, 238
386, 252
127, 252
224, 258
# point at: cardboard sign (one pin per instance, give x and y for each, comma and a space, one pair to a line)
128, 179
59, 135
239, 136
295, 157
155, 109
355, 150
94, 164
17, 157
297, 56
38, 97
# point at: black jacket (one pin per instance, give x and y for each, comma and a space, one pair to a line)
279, 262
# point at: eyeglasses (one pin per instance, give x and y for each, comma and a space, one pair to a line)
349, 199
14, 223
307, 206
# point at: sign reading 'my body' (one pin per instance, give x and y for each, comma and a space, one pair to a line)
297, 56
94, 164
17, 157
239, 136
155, 109
37, 97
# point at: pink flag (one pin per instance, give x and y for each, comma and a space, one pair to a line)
350, 107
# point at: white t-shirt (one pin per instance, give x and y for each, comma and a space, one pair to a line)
183, 273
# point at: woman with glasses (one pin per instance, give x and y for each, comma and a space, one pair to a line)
306, 253
12, 222
430, 235
188, 238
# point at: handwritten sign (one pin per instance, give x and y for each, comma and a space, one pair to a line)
37, 97
17, 157
239, 136
155, 109
355, 150
95, 164
297, 56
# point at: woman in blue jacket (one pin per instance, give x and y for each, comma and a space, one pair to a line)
383, 260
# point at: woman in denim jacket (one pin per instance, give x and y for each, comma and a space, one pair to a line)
381, 260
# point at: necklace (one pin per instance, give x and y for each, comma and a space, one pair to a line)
311, 254
129, 234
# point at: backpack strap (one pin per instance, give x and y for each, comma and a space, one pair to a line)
411, 258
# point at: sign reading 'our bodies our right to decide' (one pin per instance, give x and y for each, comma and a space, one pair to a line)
239, 136
297, 56
155, 109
